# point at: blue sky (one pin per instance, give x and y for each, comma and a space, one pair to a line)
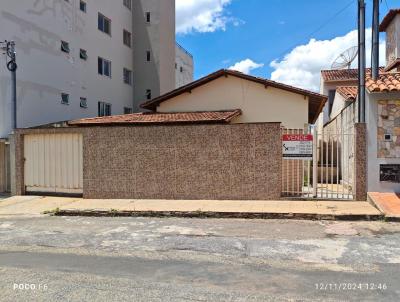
266, 30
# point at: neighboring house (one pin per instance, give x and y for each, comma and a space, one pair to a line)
260, 100
382, 112
85, 58
184, 66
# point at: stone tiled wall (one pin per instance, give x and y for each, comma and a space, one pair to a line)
389, 123
360, 162
242, 161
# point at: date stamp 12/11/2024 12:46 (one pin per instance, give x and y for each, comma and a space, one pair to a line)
351, 286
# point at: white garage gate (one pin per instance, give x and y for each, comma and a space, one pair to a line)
53, 163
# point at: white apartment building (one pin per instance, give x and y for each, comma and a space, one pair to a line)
184, 66
85, 58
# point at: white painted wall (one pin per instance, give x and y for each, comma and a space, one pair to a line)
259, 104
374, 185
158, 37
38, 26
44, 71
184, 67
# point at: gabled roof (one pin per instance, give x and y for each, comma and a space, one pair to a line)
387, 82
388, 18
348, 92
316, 100
160, 118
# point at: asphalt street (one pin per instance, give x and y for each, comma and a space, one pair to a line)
147, 259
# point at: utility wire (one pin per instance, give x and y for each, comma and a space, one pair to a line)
320, 27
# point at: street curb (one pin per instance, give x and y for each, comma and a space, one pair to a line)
180, 214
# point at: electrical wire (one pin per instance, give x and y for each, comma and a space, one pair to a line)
329, 21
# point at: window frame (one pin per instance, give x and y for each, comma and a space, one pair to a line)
85, 6
102, 107
64, 98
130, 73
127, 34
65, 47
83, 105
85, 56
103, 69
103, 27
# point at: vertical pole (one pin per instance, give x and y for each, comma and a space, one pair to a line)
362, 63
14, 97
315, 162
375, 41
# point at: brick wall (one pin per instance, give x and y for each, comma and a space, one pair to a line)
241, 161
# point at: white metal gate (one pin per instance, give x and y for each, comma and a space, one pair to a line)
53, 163
329, 175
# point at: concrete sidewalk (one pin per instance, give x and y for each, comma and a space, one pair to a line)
332, 210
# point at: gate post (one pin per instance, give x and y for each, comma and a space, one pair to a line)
17, 163
315, 163
360, 162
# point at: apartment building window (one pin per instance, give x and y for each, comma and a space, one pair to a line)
83, 54
127, 76
148, 17
104, 67
128, 110
181, 69
65, 98
148, 94
82, 6
128, 4
127, 38
104, 24
104, 109
83, 103
148, 56
65, 47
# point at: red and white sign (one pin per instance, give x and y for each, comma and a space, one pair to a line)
297, 146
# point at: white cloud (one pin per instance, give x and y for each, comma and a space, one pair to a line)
246, 66
202, 16
301, 67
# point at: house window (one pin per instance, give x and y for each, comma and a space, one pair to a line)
104, 109
104, 67
65, 47
148, 94
148, 56
128, 4
83, 54
82, 6
127, 76
104, 24
128, 110
148, 17
83, 103
64, 98
127, 38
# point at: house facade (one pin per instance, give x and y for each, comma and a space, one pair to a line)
219, 137
382, 112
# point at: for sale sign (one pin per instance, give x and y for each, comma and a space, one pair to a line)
297, 146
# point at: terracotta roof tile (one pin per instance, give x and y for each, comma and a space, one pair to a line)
348, 92
343, 74
160, 118
387, 82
